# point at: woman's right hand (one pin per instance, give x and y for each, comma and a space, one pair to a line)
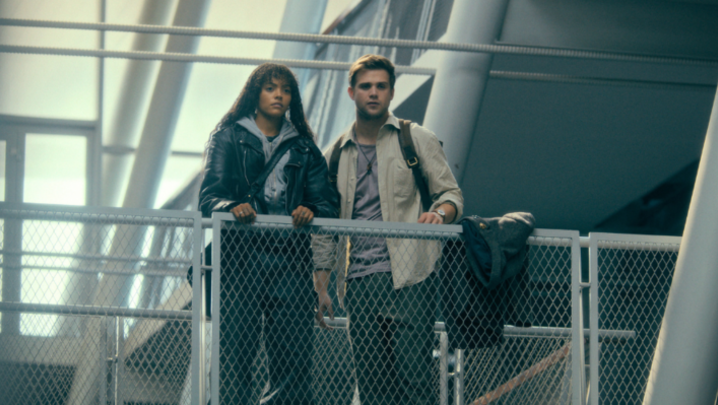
244, 213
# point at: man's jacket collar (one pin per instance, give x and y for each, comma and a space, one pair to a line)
347, 135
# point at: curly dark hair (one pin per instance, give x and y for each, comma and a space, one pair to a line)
246, 103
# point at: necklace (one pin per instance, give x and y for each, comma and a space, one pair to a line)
370, 162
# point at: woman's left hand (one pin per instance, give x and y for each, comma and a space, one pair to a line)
302, 216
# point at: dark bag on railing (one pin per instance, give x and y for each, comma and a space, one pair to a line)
484, 280
254, 189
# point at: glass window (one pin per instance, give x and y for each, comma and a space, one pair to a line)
44, 279
178, 171
49, 86
55, 169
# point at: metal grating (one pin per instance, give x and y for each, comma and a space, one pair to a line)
530, 369
101, 315
634, 278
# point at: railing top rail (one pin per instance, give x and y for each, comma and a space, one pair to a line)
97, 257
99, 215
635, 242
387, 229
346, 227
91, 310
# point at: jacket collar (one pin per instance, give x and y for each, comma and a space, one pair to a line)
347, 136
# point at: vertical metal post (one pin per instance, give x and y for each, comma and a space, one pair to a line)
216, 310
459, 378
12, 275
119, 361
471, 21
577, 362
94, 169
198, 311
685, 370
443, 368
103, 346
79, 287
593, 320
12, 233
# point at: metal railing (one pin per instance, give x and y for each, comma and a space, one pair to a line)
103, 312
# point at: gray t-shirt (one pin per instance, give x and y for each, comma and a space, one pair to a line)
369, 255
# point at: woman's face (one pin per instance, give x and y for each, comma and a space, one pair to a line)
274, 99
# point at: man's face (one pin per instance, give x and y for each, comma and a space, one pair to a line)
372, 93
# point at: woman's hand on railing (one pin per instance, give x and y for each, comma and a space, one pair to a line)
244, 213
302, 216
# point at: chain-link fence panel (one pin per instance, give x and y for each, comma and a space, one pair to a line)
266, 319
531, 363
97, 309
396, 288
634, 277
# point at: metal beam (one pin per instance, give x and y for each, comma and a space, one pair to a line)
144, 181
164, 111
461, 78
685, 370
130, 106
303, 17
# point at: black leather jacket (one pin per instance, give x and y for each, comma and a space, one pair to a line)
235, 159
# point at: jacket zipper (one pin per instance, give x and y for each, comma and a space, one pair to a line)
245, 166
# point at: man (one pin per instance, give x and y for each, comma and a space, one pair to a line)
390, 291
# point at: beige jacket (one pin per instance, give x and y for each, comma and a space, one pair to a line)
411, 260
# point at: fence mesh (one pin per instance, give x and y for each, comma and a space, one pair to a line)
634, 280
530, 369
385, 345
95, 308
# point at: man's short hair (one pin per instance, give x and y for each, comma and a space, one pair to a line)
371, 62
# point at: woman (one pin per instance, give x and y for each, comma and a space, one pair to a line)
266, 280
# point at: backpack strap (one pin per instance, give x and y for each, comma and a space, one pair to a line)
412, 160
334, 161
258, 183
410, 157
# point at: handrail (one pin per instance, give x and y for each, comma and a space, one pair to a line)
10, 252
515, 331
351, 40
98, 215
91, 310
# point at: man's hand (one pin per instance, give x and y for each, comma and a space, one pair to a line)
324, 303
434, 217
301, 216
431, 218
244, 213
